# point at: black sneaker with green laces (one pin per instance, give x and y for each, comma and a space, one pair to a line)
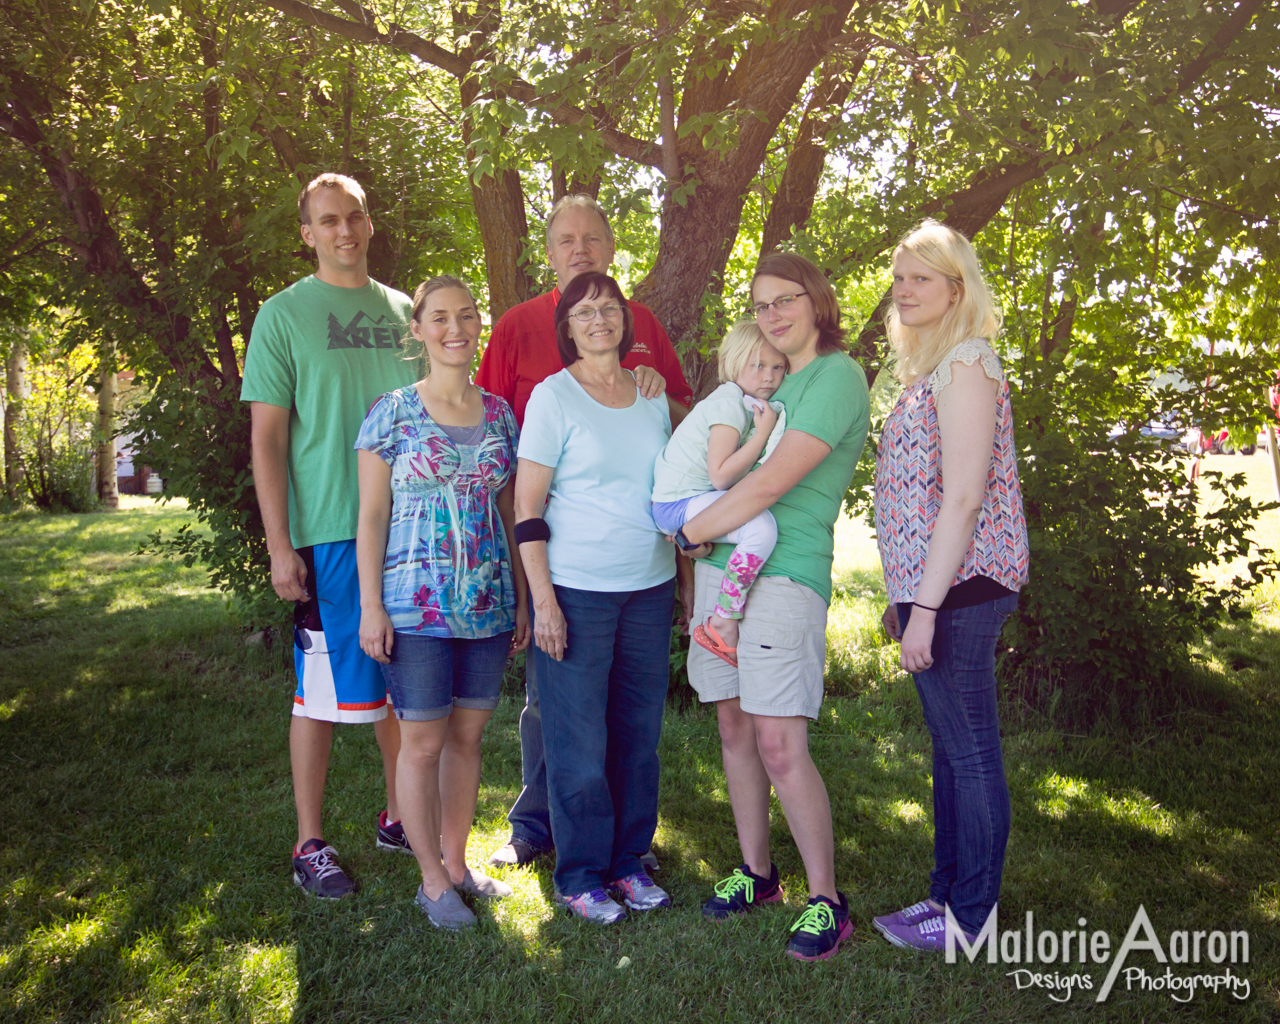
820, 929
741, 891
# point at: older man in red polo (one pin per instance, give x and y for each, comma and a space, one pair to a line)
521, 354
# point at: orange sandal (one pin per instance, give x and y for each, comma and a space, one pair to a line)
705, 636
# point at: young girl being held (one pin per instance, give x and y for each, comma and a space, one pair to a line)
719, 442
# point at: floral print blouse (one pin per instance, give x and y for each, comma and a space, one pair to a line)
447, 570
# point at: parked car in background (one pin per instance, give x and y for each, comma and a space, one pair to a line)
1197, 442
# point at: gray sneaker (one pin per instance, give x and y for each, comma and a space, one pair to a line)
649, 861
448, 912
639, 892
483, 886
594, 906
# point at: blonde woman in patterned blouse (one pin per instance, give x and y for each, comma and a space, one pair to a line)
954, 561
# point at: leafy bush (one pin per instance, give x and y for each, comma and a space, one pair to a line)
1116, 594
60, 474
199, 436
56, 442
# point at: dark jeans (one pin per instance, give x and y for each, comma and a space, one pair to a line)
970, 796
529, 817
601, 720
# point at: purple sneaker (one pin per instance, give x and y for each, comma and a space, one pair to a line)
911, 915
929, 935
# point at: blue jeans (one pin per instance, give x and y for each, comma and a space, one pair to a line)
530, 819
601, 721
970, 795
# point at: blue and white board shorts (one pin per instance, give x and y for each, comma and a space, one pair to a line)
337, 681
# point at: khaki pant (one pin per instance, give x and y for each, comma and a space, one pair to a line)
782, 648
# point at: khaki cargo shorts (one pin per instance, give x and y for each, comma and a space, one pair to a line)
782, 649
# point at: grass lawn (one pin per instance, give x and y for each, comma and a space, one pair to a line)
146, 817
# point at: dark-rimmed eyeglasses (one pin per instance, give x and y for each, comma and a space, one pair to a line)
780, 303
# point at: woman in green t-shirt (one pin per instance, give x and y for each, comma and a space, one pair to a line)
764, 704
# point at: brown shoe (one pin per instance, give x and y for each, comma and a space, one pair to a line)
515, 854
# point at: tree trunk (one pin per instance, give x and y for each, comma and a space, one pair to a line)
16, 392
504, 228
562, 185
108, 492
692, 251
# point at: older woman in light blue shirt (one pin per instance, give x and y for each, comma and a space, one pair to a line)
601, 582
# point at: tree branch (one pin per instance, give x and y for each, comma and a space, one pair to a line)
31, 251
460, 66
365, 30
793, 201
98, 244
1222, 39
970, 210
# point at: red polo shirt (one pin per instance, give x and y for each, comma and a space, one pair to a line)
522, 352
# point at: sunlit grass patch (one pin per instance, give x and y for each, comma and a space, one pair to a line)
859, 654
909, 811
1059, 797
261, 982
1266, 901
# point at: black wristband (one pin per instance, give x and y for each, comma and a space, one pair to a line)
531, 530
925, 607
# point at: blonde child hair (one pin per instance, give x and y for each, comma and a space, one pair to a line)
741, 343
974, 315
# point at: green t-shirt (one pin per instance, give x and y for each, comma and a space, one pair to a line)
327, 353
829, 400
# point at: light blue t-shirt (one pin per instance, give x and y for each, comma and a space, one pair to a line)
602, 534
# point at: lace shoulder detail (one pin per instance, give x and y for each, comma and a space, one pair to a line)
966, 352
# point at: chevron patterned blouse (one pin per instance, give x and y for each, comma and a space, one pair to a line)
908, 487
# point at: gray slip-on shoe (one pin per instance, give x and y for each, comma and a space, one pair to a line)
447, 912
476, 884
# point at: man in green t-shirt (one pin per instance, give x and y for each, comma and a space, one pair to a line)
322, 352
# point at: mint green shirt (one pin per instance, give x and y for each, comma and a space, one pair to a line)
829, 400
326, 353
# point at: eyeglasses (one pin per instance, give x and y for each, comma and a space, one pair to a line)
780, 303
585, 316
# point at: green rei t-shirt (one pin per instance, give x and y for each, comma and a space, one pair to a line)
328, 354
829, 400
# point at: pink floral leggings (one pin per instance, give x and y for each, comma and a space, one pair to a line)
754, 540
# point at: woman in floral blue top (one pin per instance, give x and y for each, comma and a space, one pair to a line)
442, 599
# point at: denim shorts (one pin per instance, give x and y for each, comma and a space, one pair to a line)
431, 675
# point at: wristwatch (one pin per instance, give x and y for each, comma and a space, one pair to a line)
684, 543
